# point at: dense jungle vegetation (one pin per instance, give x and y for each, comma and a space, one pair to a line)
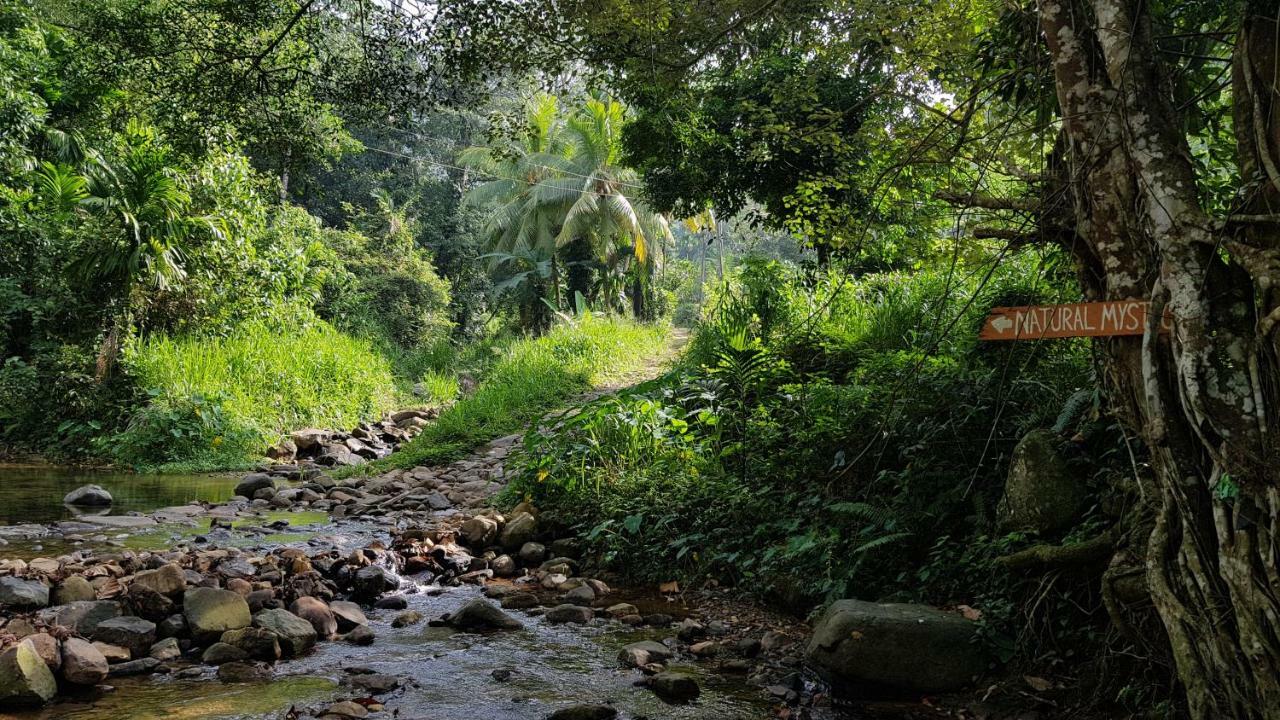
220, 222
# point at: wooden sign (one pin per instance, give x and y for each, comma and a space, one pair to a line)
1096, 319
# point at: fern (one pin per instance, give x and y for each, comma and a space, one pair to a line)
1074, 408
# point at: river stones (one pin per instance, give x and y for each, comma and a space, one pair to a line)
166, 650
19, 593
88, 495
639, 654
168, 580
532, 553
141, 666
477, 614
252, 483
221, 653
371, 581
519, 601
359, 635
127, 631
480, 531
675, 687
519, 530
317, 613
584, 712
296, 635
257, 642
347, 614
211, 612
567, 613
581, 595
893, 647
25, 679
73, 589
82, 662
243, 672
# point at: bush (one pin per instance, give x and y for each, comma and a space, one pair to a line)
264, 379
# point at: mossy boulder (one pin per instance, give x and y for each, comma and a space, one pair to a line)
25, 679
211, 612
1042, 492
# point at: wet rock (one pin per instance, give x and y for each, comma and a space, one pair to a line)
346, 709
257, 643
520, 529
675, 687
296, 635
82, 663
394, 602
519, 601
73, 589
405, 619
375, 683
317, 613
570, 614
584, 712
621, 610
243, 672
864, 647
347, 614
19, 593
254, 482
25, 679
359, 635
372, 581
658, 619
128, 631
141, 666
581, 595
166, 650
211, 612
88, 495
220, 653
639, 654
478, 614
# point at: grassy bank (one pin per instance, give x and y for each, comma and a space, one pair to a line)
526, 378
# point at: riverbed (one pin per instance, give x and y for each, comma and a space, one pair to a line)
32, 493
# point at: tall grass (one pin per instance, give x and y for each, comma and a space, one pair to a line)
225, 397
527, 378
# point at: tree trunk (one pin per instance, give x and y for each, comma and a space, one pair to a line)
579, 273
1204, 397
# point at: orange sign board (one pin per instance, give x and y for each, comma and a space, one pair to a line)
1095, 319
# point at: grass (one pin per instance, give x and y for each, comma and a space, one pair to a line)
217, 402
527, 378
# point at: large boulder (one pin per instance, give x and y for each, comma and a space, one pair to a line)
478, 614
90, 495
295, 634
520, 529
894, 648
252, 483
211, 612
1042, 492
25, 679
317, 613
371, 581
19, 593
83, 616
82, 662
348, 615
73, 589
166, 580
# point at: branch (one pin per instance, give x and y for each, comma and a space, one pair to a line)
987, 202
1049, 556
994, 233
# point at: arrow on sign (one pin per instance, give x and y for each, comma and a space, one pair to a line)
1002, 324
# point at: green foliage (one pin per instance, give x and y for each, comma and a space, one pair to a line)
228, 397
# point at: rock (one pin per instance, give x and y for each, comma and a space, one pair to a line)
257, 643
621, 610
48, 648
866, 647
243, 672
375, 683
747, 647
346, 709
88, 495
237, 569
174, 626
570, 614
129, 632
141, 666
519, 601
19, 593
347, 614
253, 482
405, 619
285, 451
1042, 492
113, 653
480, 531
211, 612
638, 654
706, 648
309, 438
690, 630
220, 653
394, 602
532, 553
296, 635
503, 566
148, 603
316, 612
584, 712
478, 614
166, 650
25, 679
359, 635
581, 595
82, 663
372, 581
73, 589
519, 530
675, 687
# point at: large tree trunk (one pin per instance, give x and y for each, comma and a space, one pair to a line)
1204, 397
